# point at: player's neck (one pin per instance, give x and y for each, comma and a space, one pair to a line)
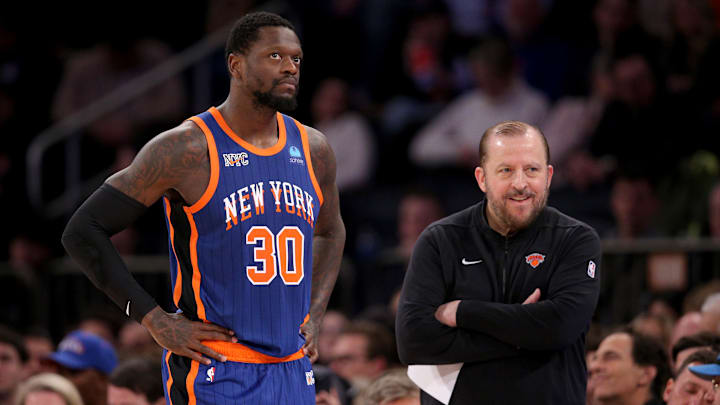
248, 121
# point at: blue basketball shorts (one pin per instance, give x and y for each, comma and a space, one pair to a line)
187, 382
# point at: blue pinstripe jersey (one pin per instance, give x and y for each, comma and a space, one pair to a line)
241, 257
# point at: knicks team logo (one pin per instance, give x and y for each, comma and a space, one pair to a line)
534, 259
591, 269
210, 374
309, 378
296, 156
236, 159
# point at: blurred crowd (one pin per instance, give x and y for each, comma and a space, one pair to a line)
627, 93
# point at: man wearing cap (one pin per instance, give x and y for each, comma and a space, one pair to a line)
87, 361
711, 372
685, 388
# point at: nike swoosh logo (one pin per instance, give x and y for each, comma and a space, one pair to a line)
127, 309
467, 262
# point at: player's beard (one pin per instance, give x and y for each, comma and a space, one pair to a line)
268, 99
504, 215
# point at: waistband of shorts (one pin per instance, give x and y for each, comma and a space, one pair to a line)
243, 354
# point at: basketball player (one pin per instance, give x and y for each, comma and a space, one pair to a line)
254, 231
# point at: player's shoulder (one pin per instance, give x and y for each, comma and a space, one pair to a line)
322, 155
185, 137
317, 140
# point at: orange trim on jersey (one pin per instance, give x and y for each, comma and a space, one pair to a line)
214, 166
190, 382
177, 290
243, 354
170, 379
307, 318
196, 277
306, 149
247, 145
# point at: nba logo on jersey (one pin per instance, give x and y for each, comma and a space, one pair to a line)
309, 378
210, 374
591, 269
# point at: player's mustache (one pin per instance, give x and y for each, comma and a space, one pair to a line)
286, 79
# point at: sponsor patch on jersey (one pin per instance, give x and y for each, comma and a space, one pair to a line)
236, 159
534, 259
309, 378
295, 152
591, 269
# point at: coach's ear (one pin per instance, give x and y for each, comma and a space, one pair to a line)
236, 65
480, 177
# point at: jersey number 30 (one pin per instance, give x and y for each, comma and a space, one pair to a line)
273, 251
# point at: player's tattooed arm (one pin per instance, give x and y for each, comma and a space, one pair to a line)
166, 163
174, 163
328, 239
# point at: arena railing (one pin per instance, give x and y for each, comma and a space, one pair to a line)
67, 129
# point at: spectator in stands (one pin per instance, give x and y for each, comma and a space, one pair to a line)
48, 389
329, 387
102, 322
39, 345
363, 351
685, 387
87, 361
391, 388
348, 133
13, 357
134, 340
630, 369
450, 139
687, 325
136, 381
417, 209
332, 326
634, 206
710, 312
652, 325
688, 345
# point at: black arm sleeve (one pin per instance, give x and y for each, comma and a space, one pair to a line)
422, 339
87, 240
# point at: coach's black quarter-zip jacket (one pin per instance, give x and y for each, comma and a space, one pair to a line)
513, 353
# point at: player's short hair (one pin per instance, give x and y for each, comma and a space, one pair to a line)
247, 30
510, 128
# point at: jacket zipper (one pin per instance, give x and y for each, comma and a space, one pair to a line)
504, 271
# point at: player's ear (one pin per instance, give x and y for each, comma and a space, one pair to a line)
236, 63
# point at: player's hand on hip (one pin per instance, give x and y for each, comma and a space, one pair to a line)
310, 330
447, 313
184, 337
533, 298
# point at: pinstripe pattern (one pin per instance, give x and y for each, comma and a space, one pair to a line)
265, 318
239, 383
